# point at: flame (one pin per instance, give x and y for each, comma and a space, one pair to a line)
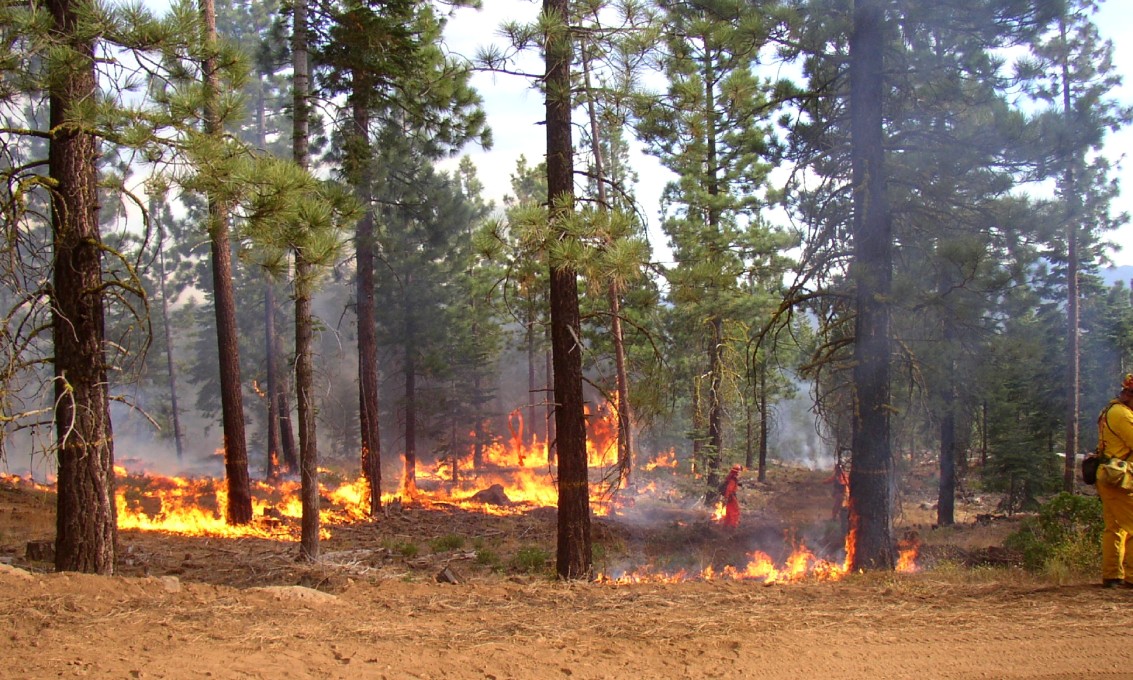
907, 550
26, 483
665, 459
718, 512
802, 564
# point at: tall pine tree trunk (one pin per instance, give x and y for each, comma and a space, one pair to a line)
532, 384
573, 555
763, 414
946, 497
715, 406
86, 531
872, 464
715, 351
1073, 335
364, 302
304, 369
624, 410
274, 455
549, 401
224, 299
409, 482
170, 364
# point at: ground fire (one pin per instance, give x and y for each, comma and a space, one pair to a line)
515, 477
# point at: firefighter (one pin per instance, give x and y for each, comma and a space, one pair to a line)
731, 498
1115, 440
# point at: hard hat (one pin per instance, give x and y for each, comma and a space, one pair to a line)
1127, 382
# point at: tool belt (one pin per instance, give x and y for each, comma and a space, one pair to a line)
1116, 472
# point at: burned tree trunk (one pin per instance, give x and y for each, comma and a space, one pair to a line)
872, 465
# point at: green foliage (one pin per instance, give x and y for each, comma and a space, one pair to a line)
487, 558
530, 559
446, 543
407, 549
1064, 538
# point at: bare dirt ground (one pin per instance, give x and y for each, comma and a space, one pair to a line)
373, 606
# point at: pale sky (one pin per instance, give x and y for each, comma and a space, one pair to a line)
514, 111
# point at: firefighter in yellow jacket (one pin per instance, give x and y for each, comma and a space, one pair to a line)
1115, 436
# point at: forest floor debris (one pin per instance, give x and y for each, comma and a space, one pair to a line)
374, 607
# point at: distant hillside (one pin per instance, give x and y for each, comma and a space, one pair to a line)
1115, 274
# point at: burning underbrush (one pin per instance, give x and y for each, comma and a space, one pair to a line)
491, 522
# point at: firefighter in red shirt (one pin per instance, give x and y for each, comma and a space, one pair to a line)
731, 497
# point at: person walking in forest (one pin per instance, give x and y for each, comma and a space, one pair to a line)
731, 497
1115, 440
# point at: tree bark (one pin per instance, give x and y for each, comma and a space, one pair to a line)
304, 369
86, 531
573, 555
274, 456
170, 365
715, 351
239, 509
409, 482
946, 496
763, 409
532, 385
1073, 334
308, 446
872, 464
624, 410
367, 317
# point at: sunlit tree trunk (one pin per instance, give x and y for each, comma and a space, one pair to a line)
86, 531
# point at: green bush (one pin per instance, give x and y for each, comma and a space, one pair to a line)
530, 559
403, 548
1064, 539
487, 558
445, 543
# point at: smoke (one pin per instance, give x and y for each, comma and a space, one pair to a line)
798, 436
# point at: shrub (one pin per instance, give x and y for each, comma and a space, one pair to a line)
530, 559
1063, 539
445, 543
487, 558
403, 548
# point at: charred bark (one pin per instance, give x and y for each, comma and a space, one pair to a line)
872, 466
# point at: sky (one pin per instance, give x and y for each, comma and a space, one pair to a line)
514, 111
